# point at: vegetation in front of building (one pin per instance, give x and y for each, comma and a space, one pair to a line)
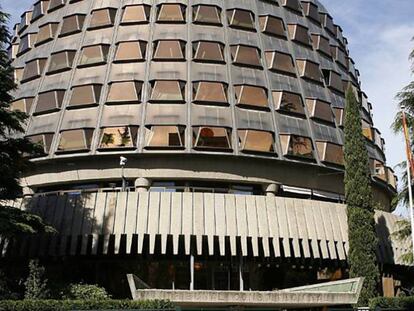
359, 197
399, 303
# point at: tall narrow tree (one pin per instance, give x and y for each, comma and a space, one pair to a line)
359, 198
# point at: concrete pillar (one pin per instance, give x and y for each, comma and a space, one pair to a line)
272, 190
27, 191
142, 184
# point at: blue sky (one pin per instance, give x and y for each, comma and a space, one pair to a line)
379, 34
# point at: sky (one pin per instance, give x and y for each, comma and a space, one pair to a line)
379, 34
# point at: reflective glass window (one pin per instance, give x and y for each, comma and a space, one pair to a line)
339, 116
130, 51
75, 140
309, 70
72, 24
124, 92
212, 138
321, 44
311, 10
320, 110
292, 5
340, 56
23, 104
330, 152
118, 137
169, 50
85, 95
333, 80
245, 55
25, 21
136, 14
42, 140
296, 146
39, 9
49, 101
248, 95
241, 19
170, 12
94, 55
46, 33
327, 21
167, 90
56, 4
102, 18
299, 33
34, 69
161, 136
61, 61
288, 102
208, 51
272, 25
210, 92
27, 42
207, 14
256, 141
280, 62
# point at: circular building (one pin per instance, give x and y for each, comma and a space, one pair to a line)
228, 116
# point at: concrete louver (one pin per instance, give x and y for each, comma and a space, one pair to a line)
198, 223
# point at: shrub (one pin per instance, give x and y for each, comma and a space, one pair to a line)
69, 305
35, 284
405, 303
86, 292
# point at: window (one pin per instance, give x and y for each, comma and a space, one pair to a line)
255, 141
245, 55
171, 13
330, 152
280, 62
42, 140
161, 136
18, 75
333, 80
130, 51
392, 179
207, 14
75, 140
23, 105
207, 51
61, 61
378, 169
309, 70
102, 18
210, 92
296, 146
339, 56
49, 101
169, 50
240, 19
167, 90
56, 4
299, 34
124, 92
25, 21
327, 22
46, 33
311, 10
272, 25
118, 137
39, 9
339, 116
26, 43
34, 69
72, 24
321, 44
320, 110
94, 55
85, 95
254, 96
136, 14
292, 5
216, 138
288, 102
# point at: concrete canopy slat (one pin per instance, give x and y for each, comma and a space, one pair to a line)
120, 214
210, 221
263, 224
293, 227
198, 218
252, 224
109, 219
283, 225
242, 227
231, 221
165, 220
153, 219
88, 220
220, 219
187, 220
320, 230
176, 220
131, 219
310, 223
273, 222
142, 222
302, 227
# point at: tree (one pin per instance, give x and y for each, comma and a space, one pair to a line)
359, 198
14, 150
35, 284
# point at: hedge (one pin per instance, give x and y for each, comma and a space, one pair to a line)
67, 305
404, 303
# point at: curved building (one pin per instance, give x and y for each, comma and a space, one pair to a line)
230, 116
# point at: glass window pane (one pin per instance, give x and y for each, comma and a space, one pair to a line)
311, 10
209, 51
321, 44
102, 18
72, 24
212, 138
339, 116
212, 92
118, 137
61, 61
241, 19
309, 70
167, 90
130, 51
94, 55
207, 14
44, 141
288, 102
272, 25
49, 101
299, 33
245, 55
85, 95
330, 153
169, 49
251, 96
46, 33
297, 146
23, 104
256, 141
129, 91
320, 110
292, 5
34, 69
171, 13
135, 14
280, 62
165, 136
75, 140
56, 4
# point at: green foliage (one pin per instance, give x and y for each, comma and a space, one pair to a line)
359, 198
405, 303
86, 292
403, 234
35, 284
66, 305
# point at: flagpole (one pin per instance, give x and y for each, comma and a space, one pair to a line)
410, 164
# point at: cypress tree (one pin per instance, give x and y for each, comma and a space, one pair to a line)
359, 198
